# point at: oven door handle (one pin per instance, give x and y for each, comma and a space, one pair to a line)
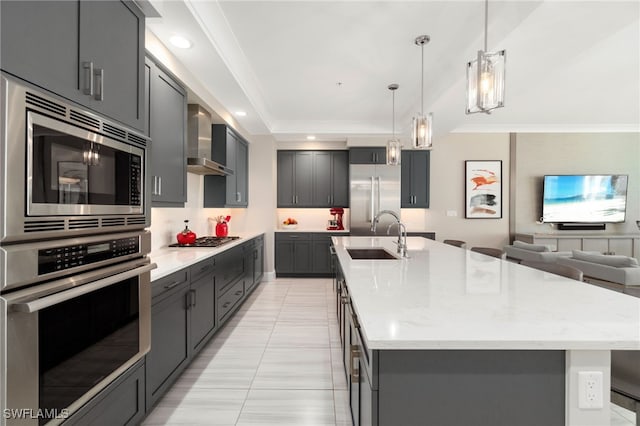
45, 302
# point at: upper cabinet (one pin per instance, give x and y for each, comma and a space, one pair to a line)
90, 52
313, 179
414, 177
229, 149
368, 155
167, 121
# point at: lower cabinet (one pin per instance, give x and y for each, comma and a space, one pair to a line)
121, 403
190, 305
303, 254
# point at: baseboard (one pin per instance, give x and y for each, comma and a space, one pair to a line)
269, 276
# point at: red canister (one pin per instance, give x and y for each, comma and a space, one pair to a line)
222, 230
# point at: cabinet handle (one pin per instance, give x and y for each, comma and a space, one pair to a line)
345, 300
296, 199
100, 83
193, 298
238, 198
226, 304
354, 353
328, 199
255, 254
159, 185
172, 285
238, 293
88, 78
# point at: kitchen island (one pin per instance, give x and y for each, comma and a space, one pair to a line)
453, 337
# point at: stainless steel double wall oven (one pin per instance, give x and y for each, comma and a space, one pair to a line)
74, 270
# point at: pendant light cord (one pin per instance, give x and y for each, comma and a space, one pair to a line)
486, 20
422, 81
393, 114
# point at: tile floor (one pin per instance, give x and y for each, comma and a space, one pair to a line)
276, 362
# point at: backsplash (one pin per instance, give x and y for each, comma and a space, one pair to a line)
310, 219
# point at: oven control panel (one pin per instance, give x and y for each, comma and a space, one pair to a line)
67, 257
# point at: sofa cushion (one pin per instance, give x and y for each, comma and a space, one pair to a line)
609, 260
531, 247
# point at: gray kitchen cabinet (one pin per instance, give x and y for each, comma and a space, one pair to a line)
313, 179
330, 179
170, 349
120, 403
253, 262
229, 149
368, 155
295, 178
90, 52
321, 255
292, 254
202, 303
167, 122
414, 178
303, 254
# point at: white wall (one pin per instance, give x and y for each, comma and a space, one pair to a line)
538, 154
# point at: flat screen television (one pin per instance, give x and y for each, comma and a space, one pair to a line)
584, 198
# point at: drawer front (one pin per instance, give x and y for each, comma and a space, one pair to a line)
228, 300
293, 236
169, 282
229, 269
202, 268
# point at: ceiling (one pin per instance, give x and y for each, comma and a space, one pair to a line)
322, 68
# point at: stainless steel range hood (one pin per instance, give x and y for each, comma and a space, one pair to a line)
199, 144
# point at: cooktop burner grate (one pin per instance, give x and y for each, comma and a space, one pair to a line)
207, 242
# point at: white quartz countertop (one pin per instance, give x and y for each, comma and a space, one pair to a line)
332, 231
445, 297
172, 259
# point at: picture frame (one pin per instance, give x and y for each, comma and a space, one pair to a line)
72, 182
483, 189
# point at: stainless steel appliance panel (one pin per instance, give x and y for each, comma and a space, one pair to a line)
27, 111
65, 346
373, 188
20, 264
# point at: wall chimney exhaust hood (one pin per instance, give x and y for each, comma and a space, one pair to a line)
199, 144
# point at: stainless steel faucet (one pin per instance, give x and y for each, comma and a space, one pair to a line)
402, 230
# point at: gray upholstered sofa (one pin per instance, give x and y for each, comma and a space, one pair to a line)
520, 251
605, 269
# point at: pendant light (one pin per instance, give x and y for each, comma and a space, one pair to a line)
394, 148
485, 77
422, 125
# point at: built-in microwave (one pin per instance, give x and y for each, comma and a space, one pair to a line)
67, 171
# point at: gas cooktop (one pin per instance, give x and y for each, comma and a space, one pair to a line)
207, 242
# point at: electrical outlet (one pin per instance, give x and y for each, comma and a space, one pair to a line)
590, 390
452, 213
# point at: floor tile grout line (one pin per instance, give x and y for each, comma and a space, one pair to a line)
260, 361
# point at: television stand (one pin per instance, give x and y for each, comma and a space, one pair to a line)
620, 244
582, 226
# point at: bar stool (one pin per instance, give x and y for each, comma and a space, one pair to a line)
457, 243
490, 251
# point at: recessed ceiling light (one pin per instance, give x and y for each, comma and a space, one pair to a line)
311, 138
241, 113
181, 42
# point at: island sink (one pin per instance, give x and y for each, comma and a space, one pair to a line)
370, 254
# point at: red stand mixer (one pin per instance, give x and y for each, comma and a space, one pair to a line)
335, 224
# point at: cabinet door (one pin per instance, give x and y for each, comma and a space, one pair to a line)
368, 155
39, 43
322, 179
168, 103
414, 179
240, 197
303, 179
112, 39
321, 257
232, 180
258, 265
286, 176
302, 256
202, 306
170, 346
284, 257
340, 179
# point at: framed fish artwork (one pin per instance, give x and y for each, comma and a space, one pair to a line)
483, 189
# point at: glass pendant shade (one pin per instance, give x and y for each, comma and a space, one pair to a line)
394, 151
485, 82
422, 131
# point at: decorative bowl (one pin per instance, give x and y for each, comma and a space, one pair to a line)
294, 226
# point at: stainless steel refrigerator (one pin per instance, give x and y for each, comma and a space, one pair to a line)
374, 187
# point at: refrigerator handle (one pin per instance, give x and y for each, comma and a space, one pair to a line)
372, 211
378, 197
